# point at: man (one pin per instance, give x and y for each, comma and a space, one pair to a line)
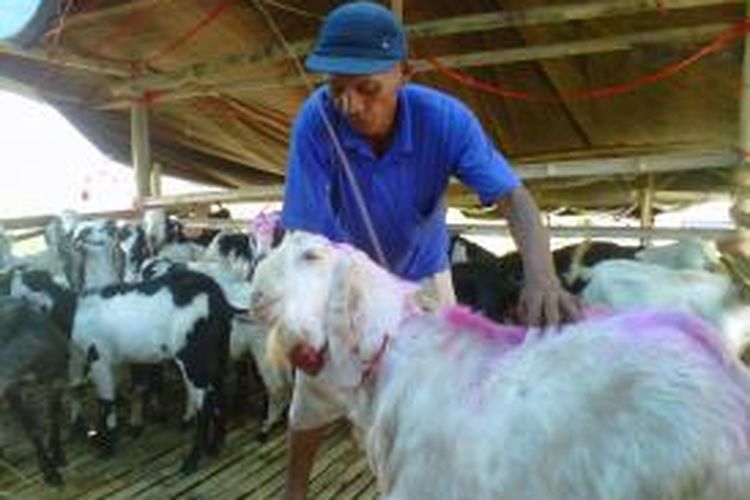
370, 160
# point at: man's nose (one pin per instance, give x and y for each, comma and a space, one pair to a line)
352, 103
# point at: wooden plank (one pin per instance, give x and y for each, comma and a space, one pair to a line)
555, 14
66, 60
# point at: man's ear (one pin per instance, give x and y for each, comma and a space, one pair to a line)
407, 72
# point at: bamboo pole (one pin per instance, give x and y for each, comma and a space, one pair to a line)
646, 204
104, 13
66, 60
741, 208
156, 176
625, 42
397, 6
140, 147
601, 231
555, 14
672, 162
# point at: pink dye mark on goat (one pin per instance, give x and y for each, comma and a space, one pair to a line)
463, 319
699, 332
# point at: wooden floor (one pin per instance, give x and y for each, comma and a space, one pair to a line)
147, 467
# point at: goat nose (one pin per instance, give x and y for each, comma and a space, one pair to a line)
256, 298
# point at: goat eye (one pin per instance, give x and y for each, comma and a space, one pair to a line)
312, 255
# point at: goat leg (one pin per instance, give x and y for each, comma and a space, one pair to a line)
190, 464
31, 427
55, 411
106, 428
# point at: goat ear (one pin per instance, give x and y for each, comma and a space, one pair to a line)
342, 324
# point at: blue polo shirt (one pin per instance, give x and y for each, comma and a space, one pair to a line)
436, 136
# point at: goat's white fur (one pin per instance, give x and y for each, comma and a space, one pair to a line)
598, 411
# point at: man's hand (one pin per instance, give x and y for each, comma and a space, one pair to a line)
546, 304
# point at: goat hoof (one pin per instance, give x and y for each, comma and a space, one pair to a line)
135, 431
105, 444
59, 458
262, 436
186, 425
189, 466
78, 430
53, 478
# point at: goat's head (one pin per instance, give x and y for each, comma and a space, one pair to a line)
236, 252
135, 250
36, 287
332, 305
98, 240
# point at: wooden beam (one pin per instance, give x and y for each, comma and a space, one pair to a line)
553, 14
634, 165
16, 223
260, 193
503, 56
616, 43
574, 168
93, 16
140, 148
501, 229
66, 60
482, 22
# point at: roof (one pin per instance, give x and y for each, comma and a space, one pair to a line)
552, 81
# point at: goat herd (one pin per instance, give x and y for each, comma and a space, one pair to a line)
646, 398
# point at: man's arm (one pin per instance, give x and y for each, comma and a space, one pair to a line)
543, 301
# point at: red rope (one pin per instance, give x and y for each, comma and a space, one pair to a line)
732, 35
189, 34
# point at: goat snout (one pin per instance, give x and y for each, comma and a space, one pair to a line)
307, 358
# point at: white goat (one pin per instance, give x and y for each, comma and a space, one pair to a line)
639, 405
687, 253
631, 285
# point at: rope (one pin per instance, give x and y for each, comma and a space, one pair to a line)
733, 34
359, 199
188, 35
293, 10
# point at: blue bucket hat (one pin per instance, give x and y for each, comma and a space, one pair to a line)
358, 38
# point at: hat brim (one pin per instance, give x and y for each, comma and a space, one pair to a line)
348, 65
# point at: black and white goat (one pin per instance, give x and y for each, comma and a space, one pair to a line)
247, 338
638, 405
34, 350
181, 316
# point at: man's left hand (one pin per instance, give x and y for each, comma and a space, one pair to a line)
547, 304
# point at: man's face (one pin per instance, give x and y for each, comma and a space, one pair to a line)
368, 101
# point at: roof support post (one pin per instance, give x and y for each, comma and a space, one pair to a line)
741, 208
646, 206
140, 147
397, 6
